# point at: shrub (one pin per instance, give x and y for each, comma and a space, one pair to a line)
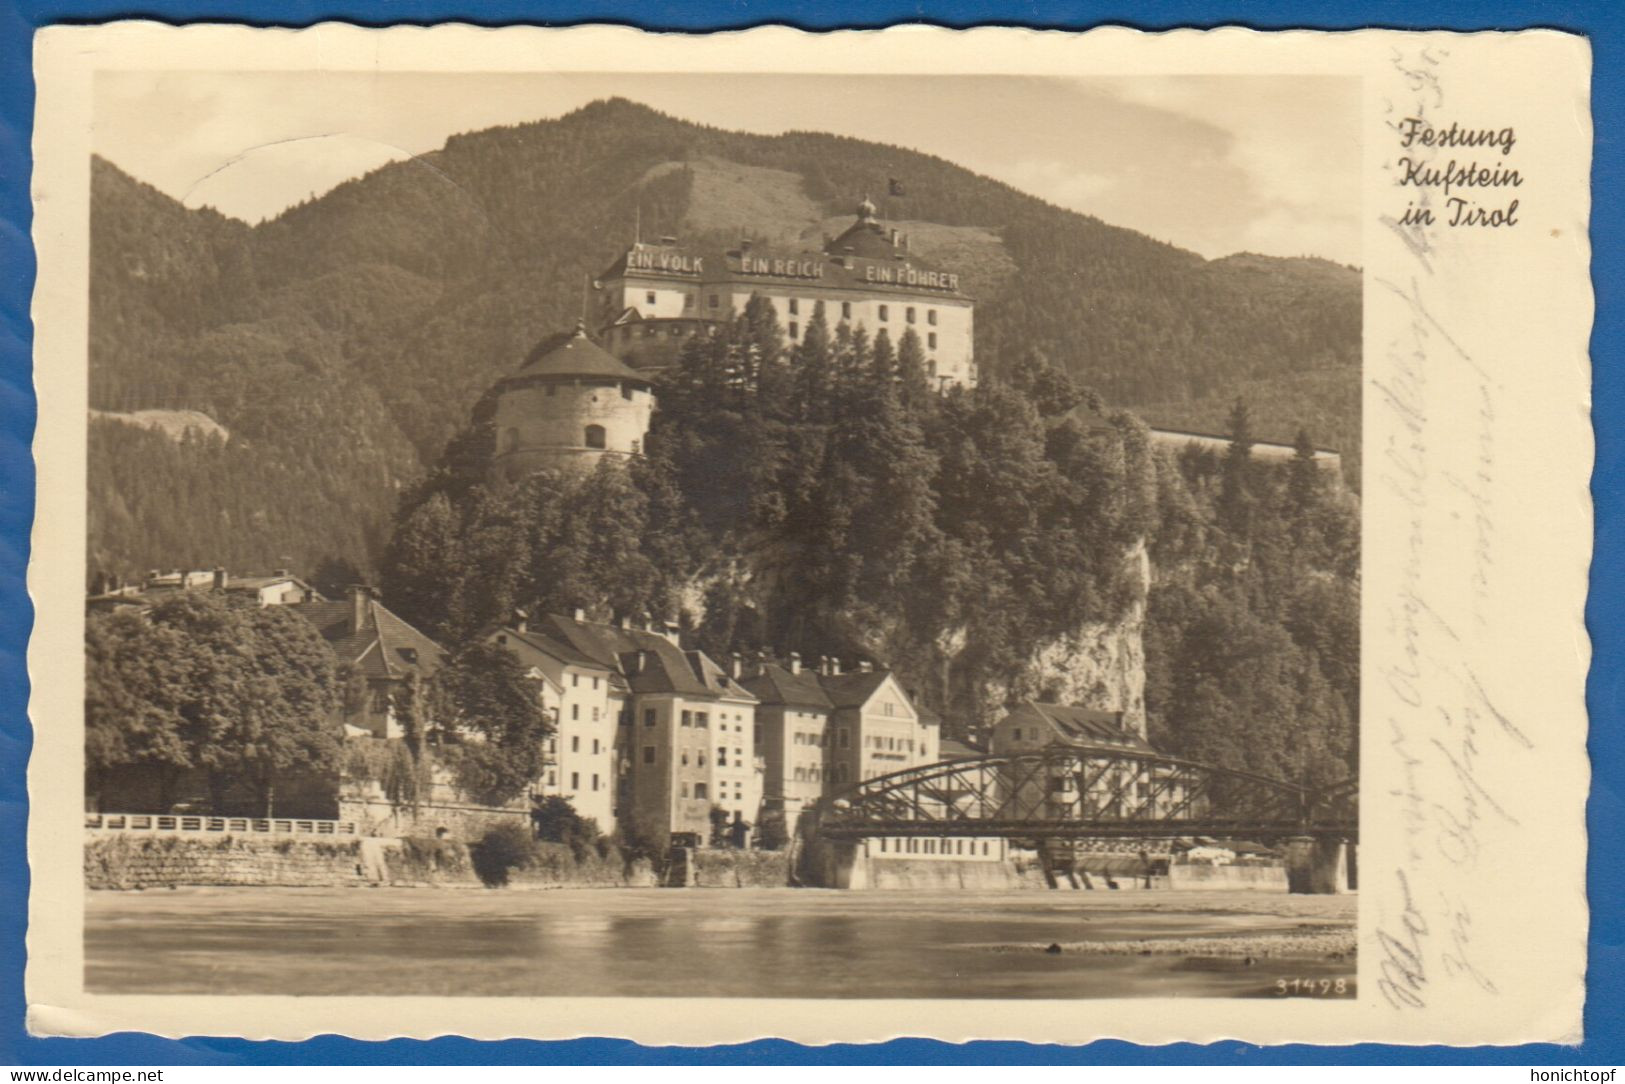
557, 821
501, 850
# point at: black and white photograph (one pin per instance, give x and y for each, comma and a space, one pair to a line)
851, 537
578, 540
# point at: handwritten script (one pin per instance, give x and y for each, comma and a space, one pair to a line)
1444, 722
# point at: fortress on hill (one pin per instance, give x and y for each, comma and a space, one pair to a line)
581, 397
576, 400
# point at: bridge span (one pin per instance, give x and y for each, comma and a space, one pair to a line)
1069, 793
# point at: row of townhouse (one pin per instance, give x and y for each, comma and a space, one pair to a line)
650, 730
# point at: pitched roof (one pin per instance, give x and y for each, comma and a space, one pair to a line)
777, 685
574, 354
957, 750
853, 690
663, 667
384, 647
555, 647
1086, 726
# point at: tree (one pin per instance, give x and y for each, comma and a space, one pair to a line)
1235, 494
135, 676
489, 723
246, 694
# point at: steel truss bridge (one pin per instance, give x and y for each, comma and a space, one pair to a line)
1063, 793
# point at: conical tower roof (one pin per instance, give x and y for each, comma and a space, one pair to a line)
575, 354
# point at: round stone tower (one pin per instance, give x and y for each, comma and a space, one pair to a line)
570, 405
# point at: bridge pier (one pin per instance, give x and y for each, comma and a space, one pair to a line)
1316, 866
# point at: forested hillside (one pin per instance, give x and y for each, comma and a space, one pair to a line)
824, 500
343, 343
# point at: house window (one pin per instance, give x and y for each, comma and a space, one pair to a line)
688, 301
648, 716
795, 307
552, 779
648, 754
684, 790
575, 780
575, 681
931, 367
637, 447
595, 436
595, 745
595, 714
594, 780
701, 719
688, 718
700, 791
885, 312
649, 297
712, 302
575, 743
575, 712
846, 310
931, 340
722, 758
795, 330
626, 391
684, 760
909, 315
931, 317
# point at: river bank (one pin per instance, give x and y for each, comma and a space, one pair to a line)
712, 942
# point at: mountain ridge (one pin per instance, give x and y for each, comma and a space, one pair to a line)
355, 331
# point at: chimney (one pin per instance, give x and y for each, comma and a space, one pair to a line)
823, 665
280, 572
623, 621
220, 578
865, 666
360, 596
521, 620
744, 244
894, 235
795, 662
640, 661
579, 614
834, 666
736, 669
673, 632
644, 620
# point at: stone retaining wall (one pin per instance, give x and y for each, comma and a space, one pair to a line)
162, 861
1219, 878
741, 869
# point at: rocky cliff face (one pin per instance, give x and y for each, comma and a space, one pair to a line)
1099, 664
1096, 664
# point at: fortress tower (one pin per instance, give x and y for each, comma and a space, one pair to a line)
570, 405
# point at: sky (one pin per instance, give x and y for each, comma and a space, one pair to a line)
1214, 164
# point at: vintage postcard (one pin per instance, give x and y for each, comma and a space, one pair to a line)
980, 534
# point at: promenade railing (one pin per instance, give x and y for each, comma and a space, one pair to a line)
195, 824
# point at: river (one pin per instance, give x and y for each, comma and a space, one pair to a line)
711, 943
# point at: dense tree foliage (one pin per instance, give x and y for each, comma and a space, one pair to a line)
488, 726
343, 343
244, 695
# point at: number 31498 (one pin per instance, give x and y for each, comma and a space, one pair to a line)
1325, 987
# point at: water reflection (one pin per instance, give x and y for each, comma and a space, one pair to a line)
697, 942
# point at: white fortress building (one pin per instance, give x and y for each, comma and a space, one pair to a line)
656, 295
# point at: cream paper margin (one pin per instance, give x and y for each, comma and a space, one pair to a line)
1477, 538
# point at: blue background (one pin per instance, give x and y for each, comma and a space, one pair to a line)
1602, 22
